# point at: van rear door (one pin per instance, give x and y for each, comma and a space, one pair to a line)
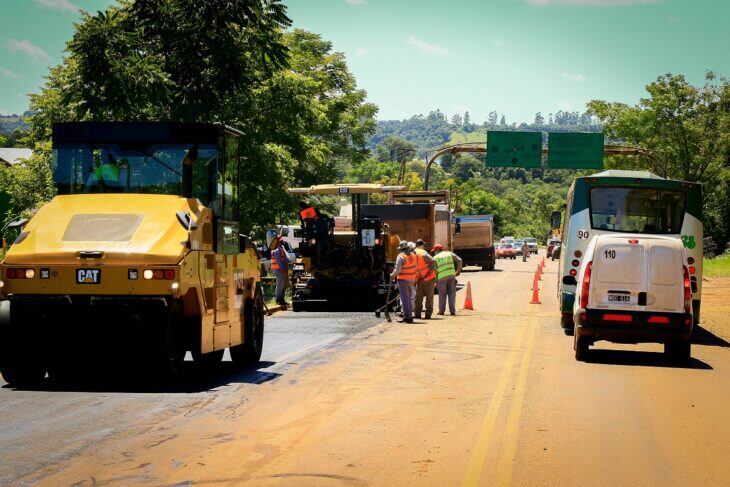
618, 275
637, 274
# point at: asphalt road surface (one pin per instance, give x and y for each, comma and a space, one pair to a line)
491, 396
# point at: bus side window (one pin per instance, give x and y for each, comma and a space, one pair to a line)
566, 225
230, 179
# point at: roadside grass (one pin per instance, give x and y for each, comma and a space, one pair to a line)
717, 266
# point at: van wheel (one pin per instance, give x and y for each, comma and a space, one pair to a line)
582, 347
249, 352
679, 351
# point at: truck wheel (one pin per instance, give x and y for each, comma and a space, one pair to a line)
582, 347
679, 351
249, 352
21, 364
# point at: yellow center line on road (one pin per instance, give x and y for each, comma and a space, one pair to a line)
479, 455
511, 431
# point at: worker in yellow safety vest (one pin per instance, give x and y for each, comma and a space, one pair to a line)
448, 266
426, 282
405, 272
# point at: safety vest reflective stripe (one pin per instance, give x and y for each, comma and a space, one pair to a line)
408, 271
445, 263
308, 213
425, 272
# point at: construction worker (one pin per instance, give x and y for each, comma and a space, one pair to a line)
448, 266
405, 273
426, 280
280, 268
525, 251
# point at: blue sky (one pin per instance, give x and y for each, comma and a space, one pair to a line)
513, 56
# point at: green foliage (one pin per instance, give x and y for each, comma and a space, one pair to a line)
228, 61
687, 128
717, 266
28, 184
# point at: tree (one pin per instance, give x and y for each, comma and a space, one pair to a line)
456, 120
224, 61
493, 116
467, 118
503, 121
539, 119
395, 149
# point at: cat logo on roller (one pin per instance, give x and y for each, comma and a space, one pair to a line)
88, 276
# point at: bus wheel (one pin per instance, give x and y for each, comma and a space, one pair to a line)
679, 351
581, 346
21, 361
249, 352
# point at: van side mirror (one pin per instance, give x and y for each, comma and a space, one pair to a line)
555, 219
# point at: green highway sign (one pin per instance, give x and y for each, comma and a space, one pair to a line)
514, 149
575, 150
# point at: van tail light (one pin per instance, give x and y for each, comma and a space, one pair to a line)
586, 285
617, 317
687, 288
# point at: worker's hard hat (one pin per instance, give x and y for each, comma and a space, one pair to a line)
420, 242
437, 248
403, 245
411, 245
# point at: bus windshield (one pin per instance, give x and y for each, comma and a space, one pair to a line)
138, 168
637, 210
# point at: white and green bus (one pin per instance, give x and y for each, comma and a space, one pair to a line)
615, 201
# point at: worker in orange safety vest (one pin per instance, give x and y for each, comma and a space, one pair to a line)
405, 273
426, 282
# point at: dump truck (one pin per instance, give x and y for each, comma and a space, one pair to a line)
138, 256
343, 269
413, 215
473, 240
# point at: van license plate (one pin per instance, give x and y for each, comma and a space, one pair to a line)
619, 298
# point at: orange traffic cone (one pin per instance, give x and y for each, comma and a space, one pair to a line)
467, 302
535, 296
543, 261
538, 273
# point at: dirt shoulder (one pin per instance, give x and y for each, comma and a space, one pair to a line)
716, 306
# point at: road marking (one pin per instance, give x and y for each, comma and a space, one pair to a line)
479, 455
511, 431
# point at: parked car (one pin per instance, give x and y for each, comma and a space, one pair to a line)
506, 251
634, 289
532, 243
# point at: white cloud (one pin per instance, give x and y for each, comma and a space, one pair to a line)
58, 5
592, 3
498, 43
9, 74
564, 106
361, 51
28, 48
575, 77
356, 2
428, 48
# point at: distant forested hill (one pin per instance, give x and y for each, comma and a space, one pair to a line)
435, 129
8, 123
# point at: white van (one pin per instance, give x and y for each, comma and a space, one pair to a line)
634, 289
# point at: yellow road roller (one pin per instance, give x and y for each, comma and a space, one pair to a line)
136, 261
